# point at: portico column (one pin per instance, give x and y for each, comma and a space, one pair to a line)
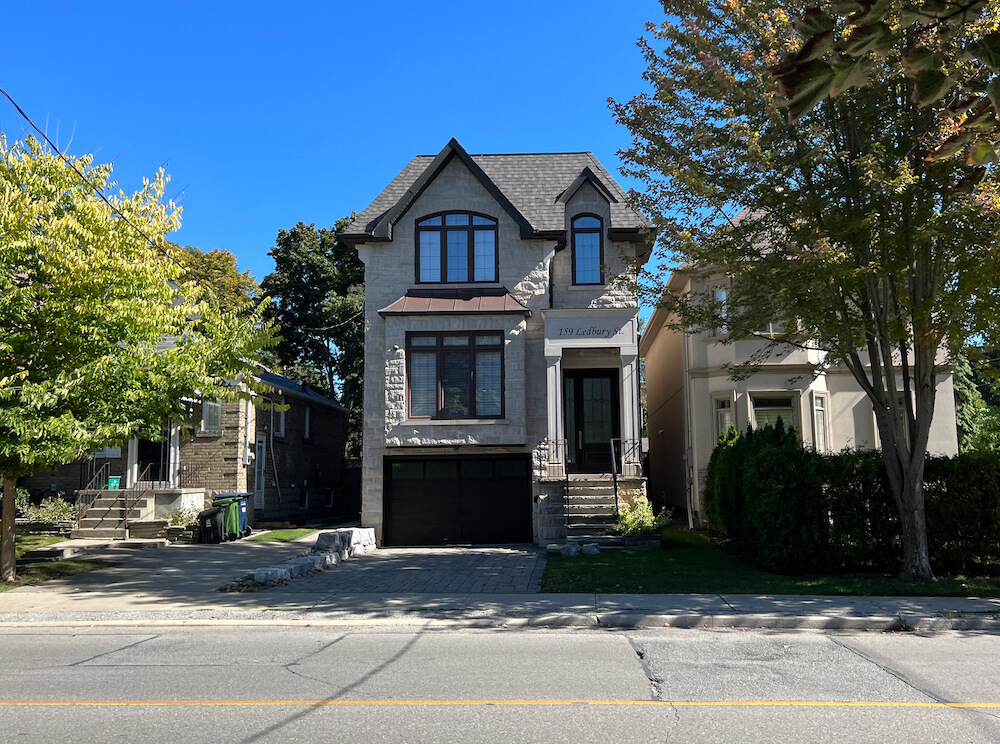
553, 400
630, 396
132, 463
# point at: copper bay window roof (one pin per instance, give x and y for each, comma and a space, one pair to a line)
460, 300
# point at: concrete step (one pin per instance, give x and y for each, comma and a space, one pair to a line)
590, 491
50, 553
92, 522
117, 502
113, 533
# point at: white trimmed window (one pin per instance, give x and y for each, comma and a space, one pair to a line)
108, 452
821, 423
769, 407
211, 416
279, 423
719, 297
724, 418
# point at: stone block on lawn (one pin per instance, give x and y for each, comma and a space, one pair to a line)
591, 549
553, 549
569, 550
271, 575
330, 560
328, 541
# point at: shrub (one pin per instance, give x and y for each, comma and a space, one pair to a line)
183, 517
637, 518
52, 509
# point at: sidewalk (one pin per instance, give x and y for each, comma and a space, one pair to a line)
179, 585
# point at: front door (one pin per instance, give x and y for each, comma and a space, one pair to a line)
592, 418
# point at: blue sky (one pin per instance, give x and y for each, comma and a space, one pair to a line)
267, 114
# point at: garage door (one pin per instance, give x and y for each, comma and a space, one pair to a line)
457, 501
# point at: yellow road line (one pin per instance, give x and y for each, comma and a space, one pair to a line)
506, 703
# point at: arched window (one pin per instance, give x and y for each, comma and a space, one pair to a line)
588, 249
457, 247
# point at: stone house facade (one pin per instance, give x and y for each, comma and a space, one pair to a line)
500, 345
691, 400
290, 461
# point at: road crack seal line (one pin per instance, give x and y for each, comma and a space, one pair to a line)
654, 681
726, 602
113, 651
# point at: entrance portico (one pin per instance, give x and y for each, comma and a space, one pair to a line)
592, 388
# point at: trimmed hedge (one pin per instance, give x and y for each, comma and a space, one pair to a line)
800, 512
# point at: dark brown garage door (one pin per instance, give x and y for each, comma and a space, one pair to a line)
457, 500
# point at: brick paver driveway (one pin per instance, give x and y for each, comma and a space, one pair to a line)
510, 569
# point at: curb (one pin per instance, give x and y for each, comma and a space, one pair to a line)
612, 621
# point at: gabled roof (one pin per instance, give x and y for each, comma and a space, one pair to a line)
532, 188
296, 389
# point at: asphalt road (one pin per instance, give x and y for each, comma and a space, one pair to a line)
374, 684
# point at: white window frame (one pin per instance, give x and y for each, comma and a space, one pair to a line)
823, 427
211, 405
717, 409
109, 453
279, 422
796, 422
720, 295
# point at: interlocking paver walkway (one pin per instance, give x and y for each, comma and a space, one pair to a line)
511, 569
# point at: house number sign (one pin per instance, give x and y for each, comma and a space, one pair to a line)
593, 331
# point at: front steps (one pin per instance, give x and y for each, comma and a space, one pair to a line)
589, 507
105, 519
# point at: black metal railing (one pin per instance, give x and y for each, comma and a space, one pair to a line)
91, 492
626, 460
132, 496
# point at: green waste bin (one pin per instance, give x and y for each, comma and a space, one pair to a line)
231, 518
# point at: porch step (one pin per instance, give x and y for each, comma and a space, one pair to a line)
113, 533
110, 502
89, 523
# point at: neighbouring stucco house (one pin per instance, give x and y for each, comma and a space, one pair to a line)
501, 345
285, 448
691, 400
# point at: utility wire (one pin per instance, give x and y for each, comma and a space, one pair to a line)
86, 180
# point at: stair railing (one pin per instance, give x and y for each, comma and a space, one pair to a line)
132, 496
89, 494
626, 458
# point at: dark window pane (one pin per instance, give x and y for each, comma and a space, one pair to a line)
485, 256
587, 254
423, 384
423, 341
430, 221
458, 256
455, 382
510, 468
492, 339
456, 219
477, 469
462, 340
430, 256
597, 426
476, 220
586, 222
442, 469
488, 387
407, 470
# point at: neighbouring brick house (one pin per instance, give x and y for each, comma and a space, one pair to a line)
290, 461
501, 347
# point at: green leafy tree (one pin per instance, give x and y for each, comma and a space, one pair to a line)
977, 403
850, 233
317, 289
98, 340
219, 277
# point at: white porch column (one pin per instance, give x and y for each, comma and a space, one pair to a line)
174, 456
553, 398
132, 463
630, 396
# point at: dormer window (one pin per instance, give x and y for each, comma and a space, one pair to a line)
457, 247
588, 250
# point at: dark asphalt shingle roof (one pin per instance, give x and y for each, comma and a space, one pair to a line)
532, 182
297, 389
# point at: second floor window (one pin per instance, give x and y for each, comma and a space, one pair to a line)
457, 247
587, 250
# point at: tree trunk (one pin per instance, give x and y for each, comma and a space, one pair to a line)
913, 524
7, 555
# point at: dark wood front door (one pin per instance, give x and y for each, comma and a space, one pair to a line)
592, 413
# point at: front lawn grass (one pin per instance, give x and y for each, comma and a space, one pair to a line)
690, 563
35, 573
282, 535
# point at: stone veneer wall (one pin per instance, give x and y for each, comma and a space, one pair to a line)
525, 268
213, 460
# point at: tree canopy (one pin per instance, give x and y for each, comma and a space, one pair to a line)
216, 274
317, 288
838, 225
99, 340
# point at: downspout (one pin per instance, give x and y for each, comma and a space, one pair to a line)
270, 445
